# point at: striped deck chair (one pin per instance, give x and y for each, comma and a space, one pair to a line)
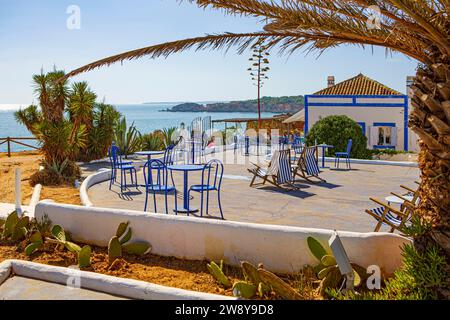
392, 217
307, 166
278, 173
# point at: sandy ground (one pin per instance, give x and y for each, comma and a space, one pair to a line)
29, 163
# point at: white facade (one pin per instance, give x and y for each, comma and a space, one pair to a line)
383, 119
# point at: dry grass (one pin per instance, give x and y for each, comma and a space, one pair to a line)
29, 162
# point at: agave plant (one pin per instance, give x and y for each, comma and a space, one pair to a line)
128, 139
419, 29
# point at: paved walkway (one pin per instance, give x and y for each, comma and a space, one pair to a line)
20, 288
338, 204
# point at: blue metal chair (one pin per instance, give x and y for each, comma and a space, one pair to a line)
156, 181
212, 175
124, 167
345, 155
298, 149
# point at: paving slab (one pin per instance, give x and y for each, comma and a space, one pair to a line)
20, 288
338, 204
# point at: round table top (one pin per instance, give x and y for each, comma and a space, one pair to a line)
149, 153
395, 199
325, 146
186, 167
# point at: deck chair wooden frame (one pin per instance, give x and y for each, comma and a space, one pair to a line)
415, 193
307, 166
272, 177
385, 214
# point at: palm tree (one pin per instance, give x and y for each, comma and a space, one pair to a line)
416, 28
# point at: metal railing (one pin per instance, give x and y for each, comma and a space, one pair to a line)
17, 140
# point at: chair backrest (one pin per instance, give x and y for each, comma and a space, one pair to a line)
155, 173
280, 166
212, 174
114, 156
169, 155
349, 146
309, 161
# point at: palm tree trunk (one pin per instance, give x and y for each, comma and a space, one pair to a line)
430, 119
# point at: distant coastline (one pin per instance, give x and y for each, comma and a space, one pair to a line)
290, 104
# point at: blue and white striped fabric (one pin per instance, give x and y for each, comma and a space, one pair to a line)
312, 168
280, 166
285, 171
389, 216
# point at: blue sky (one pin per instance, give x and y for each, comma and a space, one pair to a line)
33, 35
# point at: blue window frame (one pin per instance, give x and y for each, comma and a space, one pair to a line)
363, 127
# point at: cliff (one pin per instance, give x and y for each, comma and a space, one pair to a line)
268, 104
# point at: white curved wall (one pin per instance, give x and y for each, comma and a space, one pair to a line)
280, 248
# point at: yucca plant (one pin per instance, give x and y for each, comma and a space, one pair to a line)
152, 141
169, 135
127, 139
419, 29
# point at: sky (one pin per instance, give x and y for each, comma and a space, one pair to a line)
34, 36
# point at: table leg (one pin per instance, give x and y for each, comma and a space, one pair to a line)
323, 158
186, 208
185, 192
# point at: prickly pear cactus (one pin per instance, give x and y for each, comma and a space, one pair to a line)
36, 242
84, 257
136, 248
280, 287
244, 290
114, 249
217, 273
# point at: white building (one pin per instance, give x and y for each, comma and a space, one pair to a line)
381, 112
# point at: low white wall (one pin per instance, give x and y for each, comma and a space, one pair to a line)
280, 248
100, 176
122, 287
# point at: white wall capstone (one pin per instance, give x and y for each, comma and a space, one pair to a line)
100, 176
280, 248
122, 287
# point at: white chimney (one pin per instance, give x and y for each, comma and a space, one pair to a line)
409, 83
330, 81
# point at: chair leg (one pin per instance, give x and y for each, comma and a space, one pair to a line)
176, 204
135, 178
154, 201
207, 202
201, 203
165, 198
220, 204
121, 181
146, 199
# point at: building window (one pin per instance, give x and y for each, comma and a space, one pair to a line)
384, 135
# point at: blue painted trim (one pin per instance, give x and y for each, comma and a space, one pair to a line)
306, 115
363, 127
384, 147
405, 126
384, 124
383, 105
356, 96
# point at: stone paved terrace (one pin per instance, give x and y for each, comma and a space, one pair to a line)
338, 204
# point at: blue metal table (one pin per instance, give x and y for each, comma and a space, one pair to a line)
149, 154
186, 168
324, 148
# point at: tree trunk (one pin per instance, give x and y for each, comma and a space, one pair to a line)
430, 119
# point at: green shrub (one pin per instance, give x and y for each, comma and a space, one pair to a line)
421, 278
336, 131
152, 141
127, 139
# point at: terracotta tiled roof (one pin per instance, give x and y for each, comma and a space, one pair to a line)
359, 85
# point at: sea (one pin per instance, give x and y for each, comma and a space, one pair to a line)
146, 117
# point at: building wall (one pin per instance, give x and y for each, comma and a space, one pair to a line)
368, 111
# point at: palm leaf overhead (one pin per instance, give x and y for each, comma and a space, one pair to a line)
419, 29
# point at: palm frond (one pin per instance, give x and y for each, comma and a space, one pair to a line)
411, 27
